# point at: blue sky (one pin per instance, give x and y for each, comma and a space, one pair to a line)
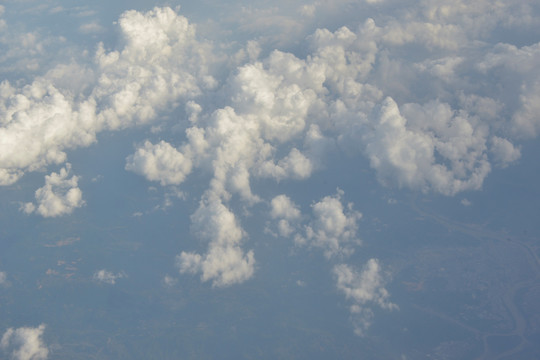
377, 155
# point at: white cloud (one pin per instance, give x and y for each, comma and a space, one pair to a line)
466, 202
294, 166
284, 207
364, 289
169, 281
333, 228
160, 63
3, 278
25, 343
286, 212
108, 277
59, 196
504, 152
160, 162
225, 263
91, 28
526, 120
506, 60
405, 152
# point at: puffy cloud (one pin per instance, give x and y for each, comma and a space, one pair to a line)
160, 162
443, 68
286, 211
37, 124
225, 263
504, 152
107, 277
407, 153
509, 61
295, 165
3, 278
284, 207
526, 120
59, 196
333, 228
26, 343
161, 62
364, 289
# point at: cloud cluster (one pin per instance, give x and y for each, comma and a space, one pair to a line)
161, 62
345, 90
160, 162
365, 287
25, 343
59, 196
420, 89
107, 277
335, 96
332, 228
406, 152
225, 263
285, 211
283, 112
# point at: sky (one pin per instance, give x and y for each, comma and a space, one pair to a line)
269, 179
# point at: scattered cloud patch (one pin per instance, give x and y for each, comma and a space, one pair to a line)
25, 343
286, 212
91, 28
59, 196
333, 228
225, 263
108, 277
504, 152
364, 289
169, 281
161, 62
160, 162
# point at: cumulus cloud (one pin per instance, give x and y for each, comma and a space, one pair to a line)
406, 152
364, 289
504, 152
526, 122
160, 162
225, 263
161, 62
333, 228
507, 60
59, 196
286, 212
419, 92
108, 277
25, 343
